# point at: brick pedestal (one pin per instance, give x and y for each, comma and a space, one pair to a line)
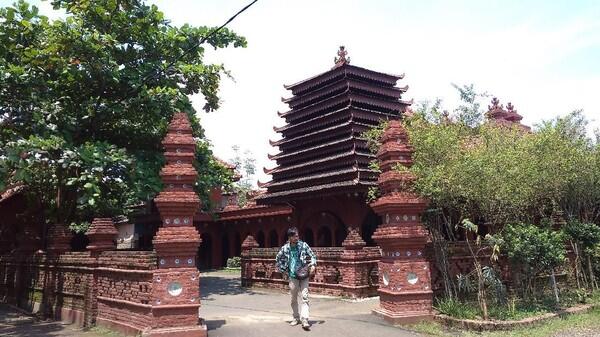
175, 290
405, 293
59, 239
248, 244
102, 234
353, 269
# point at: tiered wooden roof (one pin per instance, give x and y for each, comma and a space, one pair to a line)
320, 150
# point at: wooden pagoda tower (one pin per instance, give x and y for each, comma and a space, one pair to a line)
320, 151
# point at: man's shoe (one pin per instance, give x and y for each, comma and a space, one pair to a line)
295, 322
305, 324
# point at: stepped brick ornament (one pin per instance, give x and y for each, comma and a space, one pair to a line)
505, 117
353, 240
102, 234
405, 293
176, 295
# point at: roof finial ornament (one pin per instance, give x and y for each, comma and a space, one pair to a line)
342, 57
511, 108
495, 104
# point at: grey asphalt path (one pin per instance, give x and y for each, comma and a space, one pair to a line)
230, 310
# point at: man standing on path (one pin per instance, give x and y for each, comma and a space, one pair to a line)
291, 260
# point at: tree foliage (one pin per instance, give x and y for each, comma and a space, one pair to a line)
85, 102
245, 167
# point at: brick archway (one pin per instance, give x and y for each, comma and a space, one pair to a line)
260, 238
324, 237
368, 227
308, 236
327, 228
205, 252
273, 238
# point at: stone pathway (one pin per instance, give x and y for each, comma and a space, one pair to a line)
232, 311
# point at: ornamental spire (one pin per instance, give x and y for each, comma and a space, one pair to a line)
342, 57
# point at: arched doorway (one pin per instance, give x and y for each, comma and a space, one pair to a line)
238, 245
273, 238
204, 258
308, 237
324, 223
368, 227
225, 250
324, 238
260, 238
340, 234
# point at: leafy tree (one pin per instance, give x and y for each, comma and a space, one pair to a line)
86, 101
585, 240
469, 112
246, 169
534, 250
485, 275
497, 175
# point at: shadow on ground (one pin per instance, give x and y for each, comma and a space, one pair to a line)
216, 285
15, 324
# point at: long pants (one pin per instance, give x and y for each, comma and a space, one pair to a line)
299, 287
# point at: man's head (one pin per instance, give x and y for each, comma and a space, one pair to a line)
292, 234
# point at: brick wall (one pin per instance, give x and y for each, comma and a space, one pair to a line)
53, 286
113, 287
339, 270
338, 273
124, 288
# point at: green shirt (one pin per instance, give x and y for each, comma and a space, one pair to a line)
294, 260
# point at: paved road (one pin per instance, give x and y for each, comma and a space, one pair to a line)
230, 310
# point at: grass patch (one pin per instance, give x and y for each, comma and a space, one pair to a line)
589, 320
456, 308
566, 326
515, 308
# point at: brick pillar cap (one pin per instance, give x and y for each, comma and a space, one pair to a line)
59, 238
102, 226
102, 234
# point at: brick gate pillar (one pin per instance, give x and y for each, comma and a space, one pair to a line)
405, 293
176, 290
102, 234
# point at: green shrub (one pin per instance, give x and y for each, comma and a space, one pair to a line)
234, 262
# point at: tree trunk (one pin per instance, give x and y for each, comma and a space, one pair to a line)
577, 271
593, 284
554, 287
481, 296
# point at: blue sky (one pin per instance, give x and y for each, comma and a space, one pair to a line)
543, 56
